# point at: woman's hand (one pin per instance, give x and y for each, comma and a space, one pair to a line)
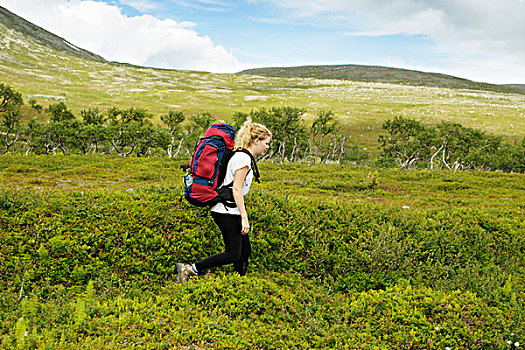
245, 225
238, 181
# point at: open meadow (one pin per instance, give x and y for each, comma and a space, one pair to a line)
344, 257
48, 76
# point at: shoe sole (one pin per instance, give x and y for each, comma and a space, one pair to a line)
179, 272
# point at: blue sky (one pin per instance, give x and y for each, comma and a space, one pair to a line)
264, 34
481, 40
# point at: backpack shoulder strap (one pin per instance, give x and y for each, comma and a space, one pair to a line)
256, 174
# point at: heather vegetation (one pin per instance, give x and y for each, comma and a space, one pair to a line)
367, 232
344, 257
400, 252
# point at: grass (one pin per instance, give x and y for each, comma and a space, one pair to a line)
396, 187
361, 107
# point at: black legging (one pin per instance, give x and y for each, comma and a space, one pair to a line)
237, 247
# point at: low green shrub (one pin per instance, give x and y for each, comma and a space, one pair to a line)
326, 271
272, 312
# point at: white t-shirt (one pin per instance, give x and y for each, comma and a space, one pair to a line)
238, 161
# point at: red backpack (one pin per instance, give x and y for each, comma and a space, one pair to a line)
202, 179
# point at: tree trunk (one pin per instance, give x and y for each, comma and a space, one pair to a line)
170, 147
334, 148
342, 150
180, 146
294, 148
130, 151
444, 161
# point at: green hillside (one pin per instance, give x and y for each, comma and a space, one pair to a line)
47, 74
14, 23
381, 75
344, 257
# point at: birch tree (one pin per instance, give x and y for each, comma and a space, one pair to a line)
173, 122
10, 102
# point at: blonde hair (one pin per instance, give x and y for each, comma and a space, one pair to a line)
250, 132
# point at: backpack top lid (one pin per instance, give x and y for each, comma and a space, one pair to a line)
227, 132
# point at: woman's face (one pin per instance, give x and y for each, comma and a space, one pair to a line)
261, 146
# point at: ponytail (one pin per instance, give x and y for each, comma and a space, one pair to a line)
250, 132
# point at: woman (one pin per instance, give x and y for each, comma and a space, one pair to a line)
233, 222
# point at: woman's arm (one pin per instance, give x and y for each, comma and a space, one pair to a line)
238, 181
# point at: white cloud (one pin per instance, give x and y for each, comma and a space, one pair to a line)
141, 5
141, 40
492, 30
202, 5
468, 19
476, 39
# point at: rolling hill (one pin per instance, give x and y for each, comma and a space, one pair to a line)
381, 75
47, 68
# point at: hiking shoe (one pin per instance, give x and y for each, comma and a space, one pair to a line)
184, 272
